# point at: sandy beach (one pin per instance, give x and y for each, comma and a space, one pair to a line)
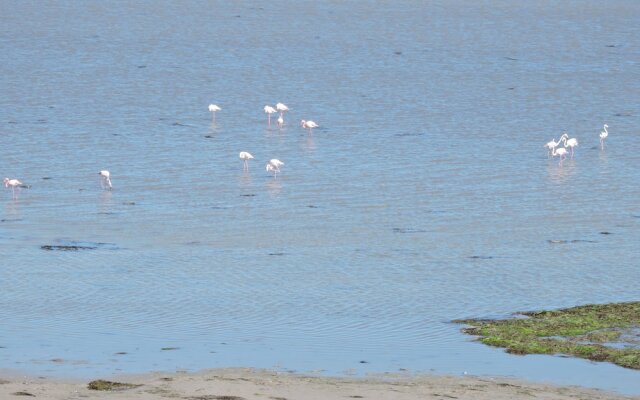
250, 384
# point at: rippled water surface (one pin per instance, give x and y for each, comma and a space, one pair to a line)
424, 196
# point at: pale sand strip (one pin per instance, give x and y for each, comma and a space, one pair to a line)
250, 384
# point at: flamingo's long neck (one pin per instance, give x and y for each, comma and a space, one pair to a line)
605, 130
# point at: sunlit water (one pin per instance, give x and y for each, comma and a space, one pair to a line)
425, 196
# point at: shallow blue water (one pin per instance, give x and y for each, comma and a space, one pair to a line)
425, 195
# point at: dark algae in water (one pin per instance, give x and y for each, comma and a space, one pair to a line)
597, 332
50, 247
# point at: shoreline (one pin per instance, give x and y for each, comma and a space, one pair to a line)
250, 384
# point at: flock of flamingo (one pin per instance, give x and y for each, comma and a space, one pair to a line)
570, 143
273, 166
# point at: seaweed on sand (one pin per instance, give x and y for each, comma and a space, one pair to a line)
103, 385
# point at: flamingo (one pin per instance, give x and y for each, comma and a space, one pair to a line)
553, 144
245, 156
212, 109
274, 166
105, 183
276, 163
280, 121
14, 183
269, 110
561, 152
603, 136
308, 124
271, 168
570, 143
282, 108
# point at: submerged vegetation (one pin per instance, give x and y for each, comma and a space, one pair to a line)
604, 332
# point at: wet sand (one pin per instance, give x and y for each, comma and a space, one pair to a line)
249, 384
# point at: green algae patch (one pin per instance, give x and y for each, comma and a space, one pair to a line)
110, 386
597, 332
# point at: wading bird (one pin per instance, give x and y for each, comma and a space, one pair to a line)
573, 142
274, 166
105, 181
13, 183
282, 108
553, 144
562, 153
213, 109
269, 110
308, 124
280, 121
245, 156
603, 136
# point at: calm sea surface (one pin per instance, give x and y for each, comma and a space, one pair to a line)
426, 194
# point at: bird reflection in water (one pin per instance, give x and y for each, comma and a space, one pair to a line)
309, 144
274, 187
603, 160
106, 202
245, 179
12, 210
561, 173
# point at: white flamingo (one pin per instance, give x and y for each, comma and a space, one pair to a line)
308, 124
282, 108
269, 110
553, 144
13, 183
105, 182
274, 166
561, 152
573, 142
213, 109
276, 163
271, 168
245, 156
603, 136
